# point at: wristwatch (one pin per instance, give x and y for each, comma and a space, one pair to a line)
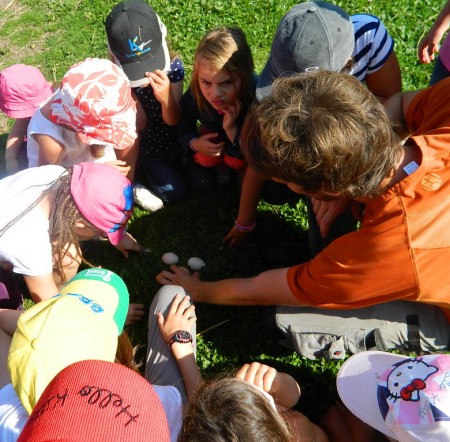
181, 336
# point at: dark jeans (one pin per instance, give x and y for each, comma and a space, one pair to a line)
171, 180
439, 72
277, 194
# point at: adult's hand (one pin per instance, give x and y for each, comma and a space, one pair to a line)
178, 276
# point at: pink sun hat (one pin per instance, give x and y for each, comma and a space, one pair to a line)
22, 89
104, 197
95, 101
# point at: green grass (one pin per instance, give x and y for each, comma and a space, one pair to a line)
57, 33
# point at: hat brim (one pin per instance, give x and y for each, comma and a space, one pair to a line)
357, 383
265, 81
27, 108
117, 236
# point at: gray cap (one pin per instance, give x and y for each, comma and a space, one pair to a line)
312, 35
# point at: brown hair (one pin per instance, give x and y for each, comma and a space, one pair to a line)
231, 410
63, 222
126, 353
324, 131
225, 48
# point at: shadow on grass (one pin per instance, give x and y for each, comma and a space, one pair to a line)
229, 336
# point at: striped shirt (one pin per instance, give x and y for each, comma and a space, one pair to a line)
373, 45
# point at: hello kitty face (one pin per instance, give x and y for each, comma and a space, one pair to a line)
407, 379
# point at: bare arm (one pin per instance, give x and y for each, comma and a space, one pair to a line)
387, 80
180, 317
429, 43
41, 287
50, 150
129, 155
283, 387
251, 190
267, 288
14, 143
397, 107
168, 94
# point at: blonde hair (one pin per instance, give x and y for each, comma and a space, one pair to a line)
225, 48
231, 410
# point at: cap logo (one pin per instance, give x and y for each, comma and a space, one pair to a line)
96, 308
104, 398
104, 275
137, 49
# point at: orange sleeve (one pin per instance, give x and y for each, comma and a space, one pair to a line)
354, 272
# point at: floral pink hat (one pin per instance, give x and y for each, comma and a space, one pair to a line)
95, 100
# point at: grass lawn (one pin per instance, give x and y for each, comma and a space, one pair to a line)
55, 34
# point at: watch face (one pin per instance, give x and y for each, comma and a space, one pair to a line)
182, 336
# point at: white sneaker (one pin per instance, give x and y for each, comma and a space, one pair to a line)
145, 199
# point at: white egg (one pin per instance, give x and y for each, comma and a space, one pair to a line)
196, 263
169, 258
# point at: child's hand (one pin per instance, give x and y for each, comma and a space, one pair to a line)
160, 83
135, 313
261, 375
230, 116
236, 237
181, 316
120, 165
204, 145
128, 243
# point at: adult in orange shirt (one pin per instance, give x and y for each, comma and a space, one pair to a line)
325, 135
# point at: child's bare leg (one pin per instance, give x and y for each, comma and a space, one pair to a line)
5, 342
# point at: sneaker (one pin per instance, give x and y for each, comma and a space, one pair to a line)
145, 199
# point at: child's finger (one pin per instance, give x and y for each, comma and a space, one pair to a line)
160, 319
183, 305
189, 311
175, 303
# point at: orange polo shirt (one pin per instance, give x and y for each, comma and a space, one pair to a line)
402, 249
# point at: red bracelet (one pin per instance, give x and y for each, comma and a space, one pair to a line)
242, 228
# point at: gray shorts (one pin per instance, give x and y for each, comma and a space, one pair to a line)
333, 334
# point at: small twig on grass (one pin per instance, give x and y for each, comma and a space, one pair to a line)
212, 327
8, 5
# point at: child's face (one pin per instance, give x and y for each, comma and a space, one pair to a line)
219, 87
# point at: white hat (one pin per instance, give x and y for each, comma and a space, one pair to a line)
405, 398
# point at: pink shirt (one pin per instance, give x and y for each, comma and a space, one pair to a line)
444, 52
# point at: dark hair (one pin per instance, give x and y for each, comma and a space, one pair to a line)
231, 410
324, 131
225, 48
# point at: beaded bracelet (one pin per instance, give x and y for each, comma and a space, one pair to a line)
242, 228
